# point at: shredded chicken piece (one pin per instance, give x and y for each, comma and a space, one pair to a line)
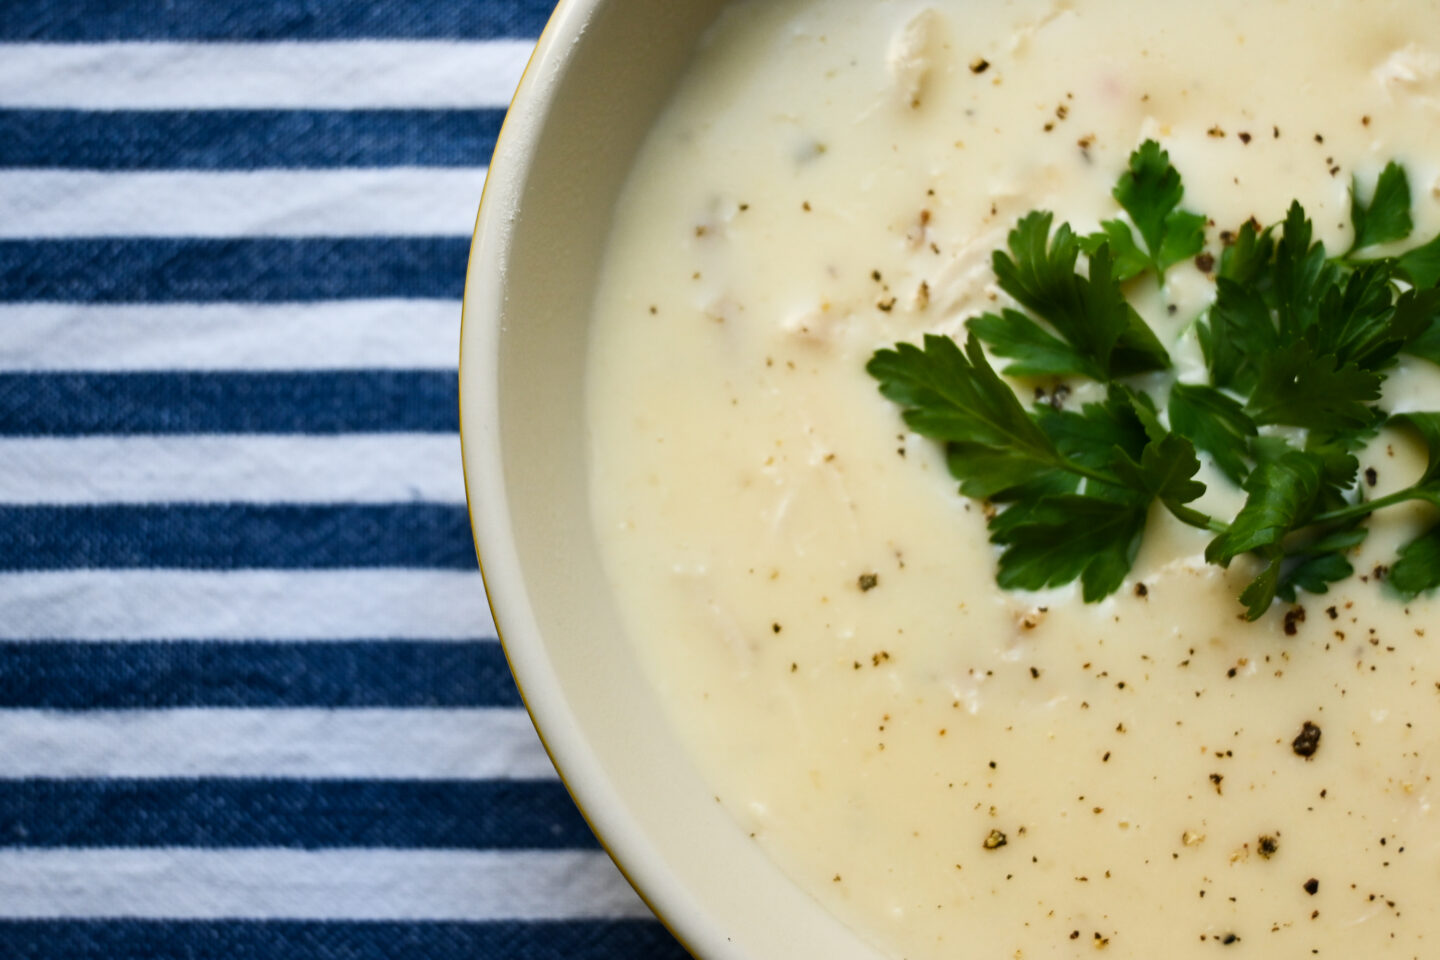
818, 325
912, 56
1020, 40
1411, 73
966, 280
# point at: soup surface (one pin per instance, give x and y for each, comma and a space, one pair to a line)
956, 770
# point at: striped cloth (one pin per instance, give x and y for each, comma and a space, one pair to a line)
251, 703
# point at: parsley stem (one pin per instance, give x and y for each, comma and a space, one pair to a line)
1080, 470
1194, 518
1216, 526
1366, 507
1182, 513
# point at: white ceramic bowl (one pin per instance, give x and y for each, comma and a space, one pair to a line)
601, 73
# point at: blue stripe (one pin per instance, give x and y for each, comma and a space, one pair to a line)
59, 675
290, 940
251, 270
246, 139
313, 402
75, 21
236, 537
294, 814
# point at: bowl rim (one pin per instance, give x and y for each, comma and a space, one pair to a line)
635, 856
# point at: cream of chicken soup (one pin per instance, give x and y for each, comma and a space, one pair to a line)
958, 769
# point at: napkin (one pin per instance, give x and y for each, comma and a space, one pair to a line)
251, 700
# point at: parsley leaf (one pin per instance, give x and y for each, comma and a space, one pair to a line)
1338, 466
1039, 272
1260, 593
1315, 567
956, 397
1428, 426
1238, 336
1036, 351
1300, 275
1089, 312
1386, 218
1091, 436
1150, 191
1165, 472
1299, 387
1425, 303
1365, 325
1064, 537
1282, 493
1215, 423
1417, 570
1129, 260
1421, 266
1247, 260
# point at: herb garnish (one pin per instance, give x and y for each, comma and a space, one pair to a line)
1296, 344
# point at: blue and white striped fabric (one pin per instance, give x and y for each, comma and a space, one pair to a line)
251, 703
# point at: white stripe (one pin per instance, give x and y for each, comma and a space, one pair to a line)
314, 885
328, 75
244, 605
352, 468
397, 201
491, 743
391, 334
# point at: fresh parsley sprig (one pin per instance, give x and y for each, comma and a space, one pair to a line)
1296, 345
1149, 191
1100, 334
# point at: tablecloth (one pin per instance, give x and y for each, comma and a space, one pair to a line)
251, 700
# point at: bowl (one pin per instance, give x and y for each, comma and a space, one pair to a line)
602, 71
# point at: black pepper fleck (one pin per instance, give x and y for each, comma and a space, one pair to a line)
1205, 262
1371, 477
1307, 741
1312, 886
1293, 618
868, 581
1267, 846
979, 65
995, 840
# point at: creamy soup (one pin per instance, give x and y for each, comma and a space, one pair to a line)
956, 770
